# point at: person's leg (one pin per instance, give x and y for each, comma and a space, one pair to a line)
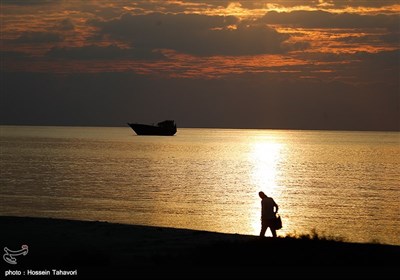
263, 229
270, 224
273, 231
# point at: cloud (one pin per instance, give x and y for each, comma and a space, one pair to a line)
329, 3
256, 4
339, 32
34, 37
96, 72
382, 66
322, 19
30, 2
102, 53
390, 39
14, 55
357, 3
194, 34
65, 25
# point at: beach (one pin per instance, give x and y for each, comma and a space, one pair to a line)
100, 249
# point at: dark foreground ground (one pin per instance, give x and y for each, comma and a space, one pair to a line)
113, 251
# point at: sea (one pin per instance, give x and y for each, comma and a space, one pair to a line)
336, 184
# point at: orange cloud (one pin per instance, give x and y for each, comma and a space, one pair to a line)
208, 39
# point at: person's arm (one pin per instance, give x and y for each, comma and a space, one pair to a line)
276, 207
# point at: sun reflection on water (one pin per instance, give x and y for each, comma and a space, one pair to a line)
265, 156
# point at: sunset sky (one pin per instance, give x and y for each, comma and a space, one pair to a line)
235, 64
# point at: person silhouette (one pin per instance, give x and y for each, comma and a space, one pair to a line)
269, 208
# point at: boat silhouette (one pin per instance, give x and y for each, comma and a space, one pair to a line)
165, 128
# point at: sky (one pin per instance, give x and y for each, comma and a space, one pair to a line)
279, 64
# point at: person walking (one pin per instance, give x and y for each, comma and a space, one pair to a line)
269, 208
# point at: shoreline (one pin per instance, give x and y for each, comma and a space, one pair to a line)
102, 249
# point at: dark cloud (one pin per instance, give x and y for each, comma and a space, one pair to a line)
14, 55
355, 68
246, 4
390, 38
30, 2
194, 34
38, 38
382, 66
321, 19
358, 3
65, 25
261, 4
256, 4
102, 53
320, 90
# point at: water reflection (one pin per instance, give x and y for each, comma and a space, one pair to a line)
340, 183
265, 157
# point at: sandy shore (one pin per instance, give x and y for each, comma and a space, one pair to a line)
104, 250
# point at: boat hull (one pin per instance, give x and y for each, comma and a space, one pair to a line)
144, 129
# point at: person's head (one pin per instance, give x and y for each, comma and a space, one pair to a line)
262, 195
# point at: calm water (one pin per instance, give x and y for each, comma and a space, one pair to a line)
343, 184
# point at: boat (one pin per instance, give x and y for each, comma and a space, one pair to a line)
165, 128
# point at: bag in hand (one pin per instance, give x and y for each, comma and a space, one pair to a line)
278, 222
